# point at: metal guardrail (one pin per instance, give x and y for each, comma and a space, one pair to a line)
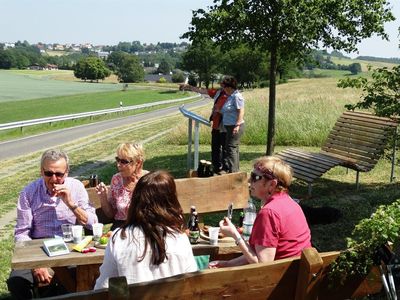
26, 123
197, 120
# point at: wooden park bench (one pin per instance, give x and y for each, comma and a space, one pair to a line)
296, 278
357, 141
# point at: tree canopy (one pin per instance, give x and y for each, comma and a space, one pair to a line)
91, 68
204, 59
288, 29
381, 93
130, 70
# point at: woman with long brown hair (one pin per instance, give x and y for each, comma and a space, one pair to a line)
152, 243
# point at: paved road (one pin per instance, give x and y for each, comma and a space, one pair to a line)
27, 145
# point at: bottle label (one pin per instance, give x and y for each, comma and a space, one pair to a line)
194, 236
247, 228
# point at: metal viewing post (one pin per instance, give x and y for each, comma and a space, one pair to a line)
192, 117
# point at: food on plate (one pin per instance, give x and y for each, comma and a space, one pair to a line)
103, 240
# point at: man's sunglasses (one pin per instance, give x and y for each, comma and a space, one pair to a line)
50, 174
122, 161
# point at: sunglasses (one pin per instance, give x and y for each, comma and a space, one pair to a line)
122, 161
255, 177
50, 174
267, 174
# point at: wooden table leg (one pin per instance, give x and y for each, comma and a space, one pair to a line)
86, 276
66, 277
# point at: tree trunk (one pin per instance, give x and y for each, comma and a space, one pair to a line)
272, 101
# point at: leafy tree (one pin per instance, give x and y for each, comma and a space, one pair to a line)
116, 59
355, 68
164, 67
178, 77
7, 59
91, 68
382, 93
244, 64
202, 58
124, 46
288, 29
136, 47
130, 70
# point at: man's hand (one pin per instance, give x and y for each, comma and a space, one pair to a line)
42, 275
62, 191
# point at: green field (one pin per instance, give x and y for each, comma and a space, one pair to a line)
61, 105
22, 85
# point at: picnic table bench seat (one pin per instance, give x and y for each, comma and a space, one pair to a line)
357, 141
297, 278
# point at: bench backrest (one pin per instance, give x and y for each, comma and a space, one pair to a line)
292, 278
208, 194
359, 138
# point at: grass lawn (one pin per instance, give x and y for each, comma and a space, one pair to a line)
29, 84
60, 105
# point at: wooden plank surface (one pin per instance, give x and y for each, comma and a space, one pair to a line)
30, 255
207, 194
274, 280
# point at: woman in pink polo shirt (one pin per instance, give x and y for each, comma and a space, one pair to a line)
280, 229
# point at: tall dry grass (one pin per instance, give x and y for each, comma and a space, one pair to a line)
306, 110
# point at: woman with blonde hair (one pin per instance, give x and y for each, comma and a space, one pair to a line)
152, 243
280, 229
115, 201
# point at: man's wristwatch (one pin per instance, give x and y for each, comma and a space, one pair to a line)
73, 207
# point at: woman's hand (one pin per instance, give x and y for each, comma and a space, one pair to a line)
102, 190
228, 229
216, 264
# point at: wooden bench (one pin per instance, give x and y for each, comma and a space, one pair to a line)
293, 278
211, 194
357, 141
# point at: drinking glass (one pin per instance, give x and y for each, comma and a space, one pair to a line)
213, 235
77, 233
67, 232
97, 231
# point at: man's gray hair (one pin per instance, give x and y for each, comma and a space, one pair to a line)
54, 155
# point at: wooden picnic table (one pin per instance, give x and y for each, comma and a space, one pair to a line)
30, 255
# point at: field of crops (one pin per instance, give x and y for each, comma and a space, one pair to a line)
22, 85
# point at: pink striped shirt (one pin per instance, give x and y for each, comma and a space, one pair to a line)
40, 215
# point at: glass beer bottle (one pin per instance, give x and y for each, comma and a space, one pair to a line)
194, 230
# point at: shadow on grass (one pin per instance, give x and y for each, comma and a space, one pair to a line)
353, 206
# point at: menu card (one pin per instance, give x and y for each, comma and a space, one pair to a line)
55, 247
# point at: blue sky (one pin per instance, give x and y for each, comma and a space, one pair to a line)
107, 22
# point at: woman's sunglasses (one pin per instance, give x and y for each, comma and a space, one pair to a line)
122, 161
266, 174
